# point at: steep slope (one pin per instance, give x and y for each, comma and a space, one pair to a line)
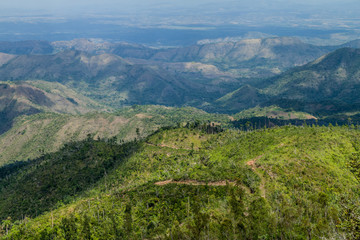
32, 136
326, 86
329, 84
25, 99
242, 98
289, 183
352, 44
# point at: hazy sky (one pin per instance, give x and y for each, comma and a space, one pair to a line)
72, 16
84, 6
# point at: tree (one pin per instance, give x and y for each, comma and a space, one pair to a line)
6, 224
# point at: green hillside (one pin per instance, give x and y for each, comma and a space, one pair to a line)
41, 133
273, 112
280, 183
243, 98
329, 84
326, 86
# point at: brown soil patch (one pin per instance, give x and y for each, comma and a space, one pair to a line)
143, 116
196, 183
162, 183
252, 163
310, 117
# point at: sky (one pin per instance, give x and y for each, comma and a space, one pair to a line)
75, 15
66, 7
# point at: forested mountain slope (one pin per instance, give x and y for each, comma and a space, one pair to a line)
280, 183
331, 83
325, 86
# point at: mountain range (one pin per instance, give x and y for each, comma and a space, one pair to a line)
199, 75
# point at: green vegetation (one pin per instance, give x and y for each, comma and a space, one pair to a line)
68, 171
53, 178
273, 112
280, 183
325, 87
31, 136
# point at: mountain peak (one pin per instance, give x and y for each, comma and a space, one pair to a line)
282, 41
344, 57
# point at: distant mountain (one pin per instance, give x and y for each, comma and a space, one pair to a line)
328, 85
25, 99
352, 44
286, 51
61, 67
247, 58
26, 47
109, 78
281, 51
10, 108
218, 77
88, 45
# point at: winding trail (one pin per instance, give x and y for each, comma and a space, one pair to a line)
252, 164
164, 145
196, 183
